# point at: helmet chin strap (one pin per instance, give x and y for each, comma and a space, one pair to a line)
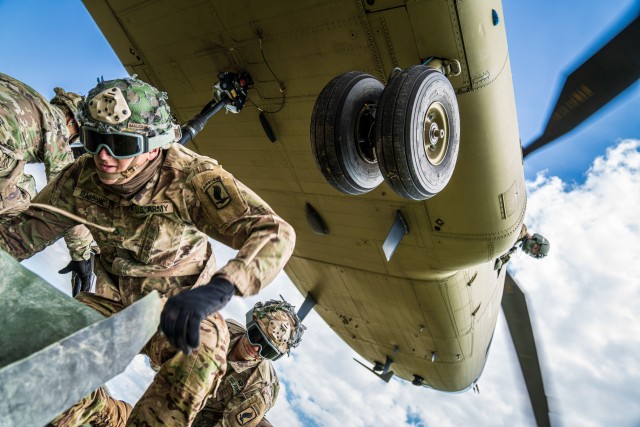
121, 176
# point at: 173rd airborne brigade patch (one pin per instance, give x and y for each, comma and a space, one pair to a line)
247, 415
220, 195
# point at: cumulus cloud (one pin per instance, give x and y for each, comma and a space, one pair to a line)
583, 298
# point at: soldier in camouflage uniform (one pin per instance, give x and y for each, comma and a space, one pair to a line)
33, 130
248, 389
536, 246
250, 386
162, 202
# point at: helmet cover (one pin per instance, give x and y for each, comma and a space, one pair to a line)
279, 322
66, 100
127, 105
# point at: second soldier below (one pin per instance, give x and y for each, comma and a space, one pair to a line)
162, 202
250, 386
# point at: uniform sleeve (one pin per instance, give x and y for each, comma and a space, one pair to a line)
229, 212
56, 151
78, 241
249, 408
34, 229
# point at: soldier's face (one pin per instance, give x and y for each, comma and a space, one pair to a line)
108, 164
72, 125
244, 350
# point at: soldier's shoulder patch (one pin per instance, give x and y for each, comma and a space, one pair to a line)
217, 191
220, 196
247, 415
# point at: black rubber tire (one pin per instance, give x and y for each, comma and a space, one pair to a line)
409, 167
342, 132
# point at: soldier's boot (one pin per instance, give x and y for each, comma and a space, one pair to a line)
115, 414
98, 409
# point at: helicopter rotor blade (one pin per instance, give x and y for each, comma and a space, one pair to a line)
514, 306
612, 69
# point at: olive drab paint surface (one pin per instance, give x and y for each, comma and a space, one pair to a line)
437, 299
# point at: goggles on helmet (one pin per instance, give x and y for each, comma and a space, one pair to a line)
121, 145
257, 337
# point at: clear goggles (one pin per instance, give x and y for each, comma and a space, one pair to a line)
121, 145
257, 337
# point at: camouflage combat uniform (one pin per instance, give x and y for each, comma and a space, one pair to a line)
247, 391
33, 131
161, 243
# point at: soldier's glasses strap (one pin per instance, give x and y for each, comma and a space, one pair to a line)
119, 145
257, 337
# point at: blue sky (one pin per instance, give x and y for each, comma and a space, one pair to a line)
547, 40
583, 296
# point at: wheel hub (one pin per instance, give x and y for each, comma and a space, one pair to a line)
364, 135
436, 133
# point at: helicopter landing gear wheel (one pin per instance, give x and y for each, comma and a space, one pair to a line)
418, 132
342, 132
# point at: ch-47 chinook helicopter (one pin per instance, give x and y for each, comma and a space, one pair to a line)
413, 182
385, 132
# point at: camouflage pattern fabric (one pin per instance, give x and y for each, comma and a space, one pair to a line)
99, 409
161, 233
247, 391
66, 100
32, 131
79, 240
179, 388
126, 105
278, 326
161, 243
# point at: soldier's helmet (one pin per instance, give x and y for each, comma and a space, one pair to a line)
275, 327
67, 101
536, 246
126, 116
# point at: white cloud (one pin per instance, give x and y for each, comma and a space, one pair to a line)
584, 299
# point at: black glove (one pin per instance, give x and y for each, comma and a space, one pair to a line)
81, 277
182, 314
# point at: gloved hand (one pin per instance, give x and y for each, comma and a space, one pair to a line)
81, 277
182, 314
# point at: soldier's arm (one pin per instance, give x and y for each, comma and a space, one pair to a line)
34, 229
233, 214
56, 151
78, 241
